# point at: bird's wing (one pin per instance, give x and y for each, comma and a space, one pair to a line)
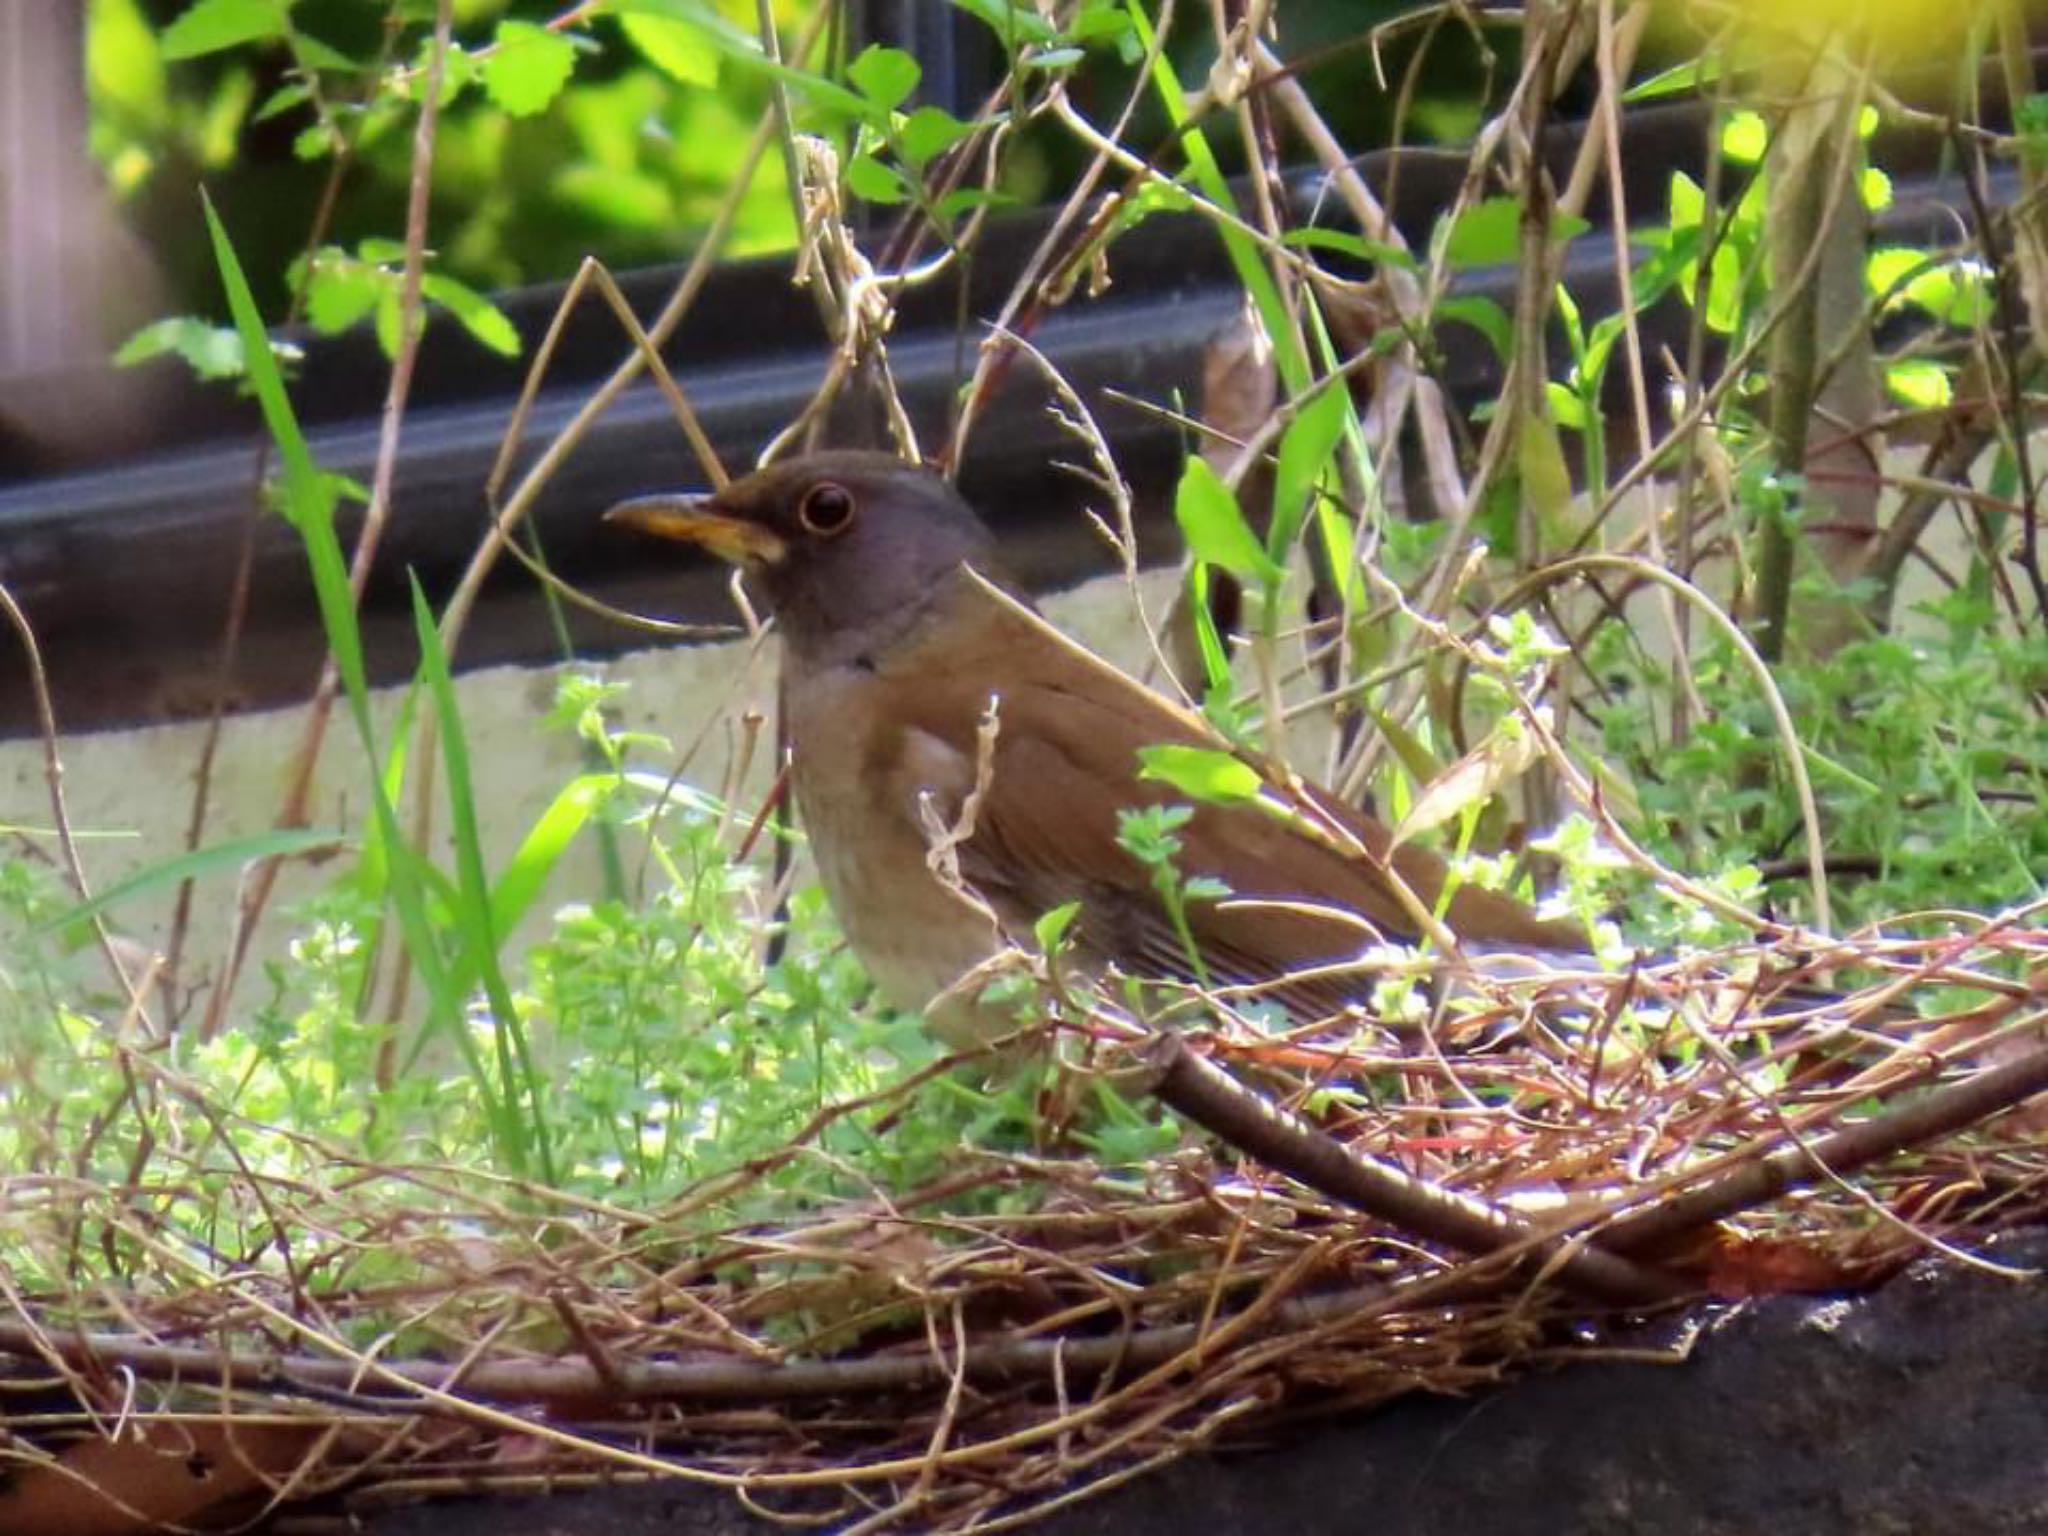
1064, 762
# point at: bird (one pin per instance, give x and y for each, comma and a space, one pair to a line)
960, 766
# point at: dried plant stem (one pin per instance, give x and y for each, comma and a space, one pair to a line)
131, 988
1209, 1096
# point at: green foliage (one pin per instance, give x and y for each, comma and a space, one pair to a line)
1151, 835
1204, 773
614, 134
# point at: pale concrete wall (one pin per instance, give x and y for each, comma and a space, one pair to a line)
130, 792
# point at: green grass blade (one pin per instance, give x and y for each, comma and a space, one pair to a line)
517, 1077
234, 853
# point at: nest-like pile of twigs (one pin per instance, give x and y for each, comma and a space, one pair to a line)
1367, 1218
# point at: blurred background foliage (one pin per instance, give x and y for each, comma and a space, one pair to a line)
628, 161
616, 136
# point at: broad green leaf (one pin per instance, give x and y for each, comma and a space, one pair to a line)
315, 54
477, 314
871, 181
520, 885
208, 26
1724, 290
1566, 406
1955, 291
1305, 449
315, 141
1053, 926
1485, 316
886, 76
213, 351
929, 132
282, 100
1876, 188
1205, 773
1489, 234
1010, 21
1920, 383
1215, 528
676, 48
527, 68
341, 291
743, 50
1745, 137
1688, 202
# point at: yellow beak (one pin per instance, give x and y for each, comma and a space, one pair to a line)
691, 520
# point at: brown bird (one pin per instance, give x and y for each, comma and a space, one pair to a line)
902, 637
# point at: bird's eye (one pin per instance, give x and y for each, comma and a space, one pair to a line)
826, 510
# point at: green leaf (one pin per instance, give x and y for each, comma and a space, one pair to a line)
282, 100
1305, 449
871, 181
234, 854
1487, 234
213, 351
478, 315
1490, 233
567, 814
314, 142
1955, 291
1208, 774
965, 199
1875, 187
471, 899
1010, 21
1566, 406
208, 26
1485, 316
1688, 202
676, 48
527, 68
314, 54
1214, 527
1357, 246
342, 291
1745, 137
1208, 639
1688, 76
929, 132
1053, 926
743, 50
1920, 383
885, 76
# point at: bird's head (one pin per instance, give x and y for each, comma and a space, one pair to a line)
843, 545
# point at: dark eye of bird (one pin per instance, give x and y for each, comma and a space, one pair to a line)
826, 510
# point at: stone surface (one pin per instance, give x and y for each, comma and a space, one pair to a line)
1919, 1410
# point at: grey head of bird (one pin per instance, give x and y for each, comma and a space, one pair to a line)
844, 546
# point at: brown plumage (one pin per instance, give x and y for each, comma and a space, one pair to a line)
900, 630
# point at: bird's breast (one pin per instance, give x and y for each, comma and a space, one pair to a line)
867, 786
